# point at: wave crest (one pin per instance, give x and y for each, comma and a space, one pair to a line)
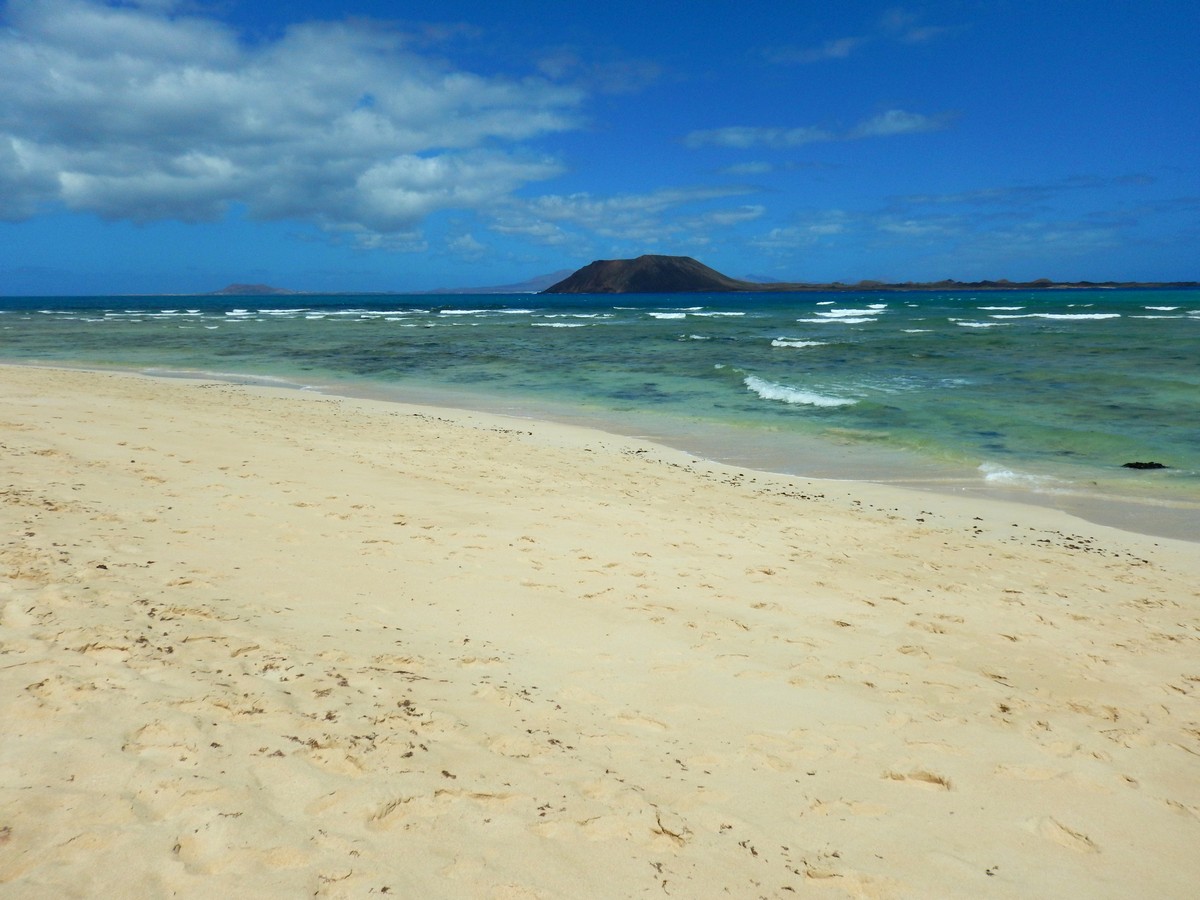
770, 390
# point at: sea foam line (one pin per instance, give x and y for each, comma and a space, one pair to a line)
873, 310
848, 320
770, 390
1061, 316
794, 342
999, 475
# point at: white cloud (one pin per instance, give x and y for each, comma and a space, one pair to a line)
621, 76
725, 217
838, 48
142, 112
746, 136
886, 124
803, 235
467, 246
897, 121
395, 242
749, 168
919, 228
894, 26
903, 26
631, 217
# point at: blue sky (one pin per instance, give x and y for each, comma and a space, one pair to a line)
180, 145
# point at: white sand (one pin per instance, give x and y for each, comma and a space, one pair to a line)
268, 644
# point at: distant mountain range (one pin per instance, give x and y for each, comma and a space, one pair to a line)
534, 285
250, 290
682, 274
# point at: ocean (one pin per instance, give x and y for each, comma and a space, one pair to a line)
1036, 396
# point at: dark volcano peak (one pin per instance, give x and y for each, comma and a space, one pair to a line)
647, 275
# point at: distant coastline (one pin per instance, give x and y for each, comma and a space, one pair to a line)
652, 274
681, 274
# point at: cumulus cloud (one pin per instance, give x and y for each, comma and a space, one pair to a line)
467, 246
886, 124
140, 111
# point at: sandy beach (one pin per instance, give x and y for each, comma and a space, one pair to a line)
260, 643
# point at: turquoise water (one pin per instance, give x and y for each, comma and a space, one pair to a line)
1039, 392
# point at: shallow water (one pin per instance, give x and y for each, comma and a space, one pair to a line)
1040, 394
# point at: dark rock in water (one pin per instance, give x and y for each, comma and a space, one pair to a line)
1143, 465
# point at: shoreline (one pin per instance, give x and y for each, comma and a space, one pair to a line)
724, 444
266, 642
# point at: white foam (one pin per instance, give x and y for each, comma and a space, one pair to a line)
559, 325
485, 312
387, 313
979, 324
770, 390
790, 342
1163, 308
843, 313
668, 315
849, 320
1002, 308
1069, 316
999, 475
717, 314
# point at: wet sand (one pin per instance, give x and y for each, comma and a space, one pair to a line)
269, 643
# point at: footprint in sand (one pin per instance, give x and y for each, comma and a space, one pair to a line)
1053, 830
921, 777
392, 812
634, 718
175, 741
